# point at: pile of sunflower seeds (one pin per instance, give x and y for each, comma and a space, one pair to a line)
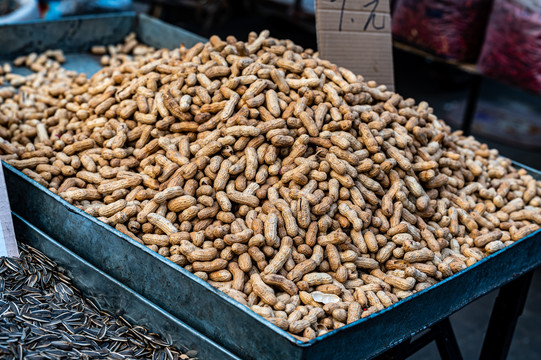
43, 316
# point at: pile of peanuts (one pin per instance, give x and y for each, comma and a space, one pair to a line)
309, 195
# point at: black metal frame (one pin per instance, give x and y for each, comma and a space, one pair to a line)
507, 309
471, 103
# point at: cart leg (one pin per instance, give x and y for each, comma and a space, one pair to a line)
507, 309
446, 341
156, 10
471, 104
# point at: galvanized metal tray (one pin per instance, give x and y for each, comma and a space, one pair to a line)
118, 299
192, 300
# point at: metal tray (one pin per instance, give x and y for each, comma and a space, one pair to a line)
118, 299
78, 34
195, 302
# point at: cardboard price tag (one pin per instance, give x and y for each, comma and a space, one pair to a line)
356, 34
8, 243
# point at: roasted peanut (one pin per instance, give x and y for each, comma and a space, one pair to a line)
276, 176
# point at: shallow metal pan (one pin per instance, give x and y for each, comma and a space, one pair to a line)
208, 310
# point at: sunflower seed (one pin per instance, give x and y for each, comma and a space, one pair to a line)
43, 316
